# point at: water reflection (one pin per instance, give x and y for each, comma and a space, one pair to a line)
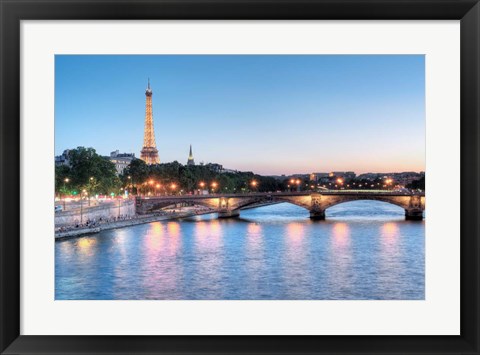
85, 245
340, 237
208, 258
271, 253
340, 273
159, 268
390, 269
297, 259
254, 238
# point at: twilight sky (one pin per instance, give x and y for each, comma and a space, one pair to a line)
270, 114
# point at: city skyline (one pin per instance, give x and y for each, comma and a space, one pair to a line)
271, 115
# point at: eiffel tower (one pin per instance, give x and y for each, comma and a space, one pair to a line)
149, 152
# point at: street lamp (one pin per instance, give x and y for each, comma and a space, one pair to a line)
388, 181
157, 186
340, 182
214, 186
119, 202
202, 186
254, 184
173, 187
129, 184
64, 190
90, 187
84, 193
150, 182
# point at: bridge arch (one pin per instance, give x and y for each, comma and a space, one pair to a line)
399, 203
154, 206
246, 203
394, 206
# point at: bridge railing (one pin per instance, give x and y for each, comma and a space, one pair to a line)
286, 193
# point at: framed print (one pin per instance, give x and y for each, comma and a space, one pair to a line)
239, 177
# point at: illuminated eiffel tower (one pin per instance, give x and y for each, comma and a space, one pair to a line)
149, 152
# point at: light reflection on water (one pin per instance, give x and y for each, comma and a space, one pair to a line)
364, 250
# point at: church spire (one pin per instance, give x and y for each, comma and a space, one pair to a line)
190, 160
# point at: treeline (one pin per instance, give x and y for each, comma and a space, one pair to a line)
89, 174
175, 177
417, 184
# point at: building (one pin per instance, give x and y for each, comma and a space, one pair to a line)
149, 152
63, 159
121, 160
190, 160
317, 176
342, 174
214, 167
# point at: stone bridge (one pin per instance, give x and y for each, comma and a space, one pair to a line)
229, 205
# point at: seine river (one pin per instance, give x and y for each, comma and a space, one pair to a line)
364, 250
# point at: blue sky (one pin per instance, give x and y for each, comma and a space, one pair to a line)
271, 114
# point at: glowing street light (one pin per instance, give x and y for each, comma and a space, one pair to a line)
214, 186
65, 181
90, 188
298, 182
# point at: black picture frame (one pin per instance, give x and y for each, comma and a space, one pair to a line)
14, 11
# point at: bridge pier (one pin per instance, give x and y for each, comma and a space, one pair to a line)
317, 215
414, 215
229, 214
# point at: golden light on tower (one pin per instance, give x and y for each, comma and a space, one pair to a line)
149, 152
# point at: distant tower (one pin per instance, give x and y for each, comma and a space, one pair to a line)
149, 152
190, 160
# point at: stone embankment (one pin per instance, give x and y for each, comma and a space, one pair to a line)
72, 231
105, 217
105, 210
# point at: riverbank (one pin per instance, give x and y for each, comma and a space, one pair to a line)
79, 232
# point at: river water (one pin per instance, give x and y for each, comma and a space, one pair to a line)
363, 250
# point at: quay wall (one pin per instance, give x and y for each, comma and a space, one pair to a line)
104, 211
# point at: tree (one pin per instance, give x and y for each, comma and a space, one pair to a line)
135, 174
89, 171
62, 173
